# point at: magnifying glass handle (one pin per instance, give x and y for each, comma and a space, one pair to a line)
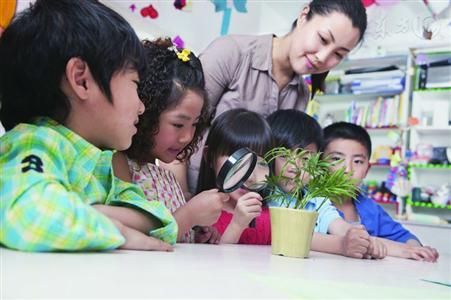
252, 224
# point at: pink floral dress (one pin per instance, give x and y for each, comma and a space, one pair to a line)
161, 185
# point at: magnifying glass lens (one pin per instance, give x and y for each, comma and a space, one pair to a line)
238, 171
257, 180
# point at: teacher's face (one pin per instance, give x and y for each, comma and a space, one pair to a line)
319, 44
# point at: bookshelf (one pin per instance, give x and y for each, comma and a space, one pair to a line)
336, 104
429, 104
431, 137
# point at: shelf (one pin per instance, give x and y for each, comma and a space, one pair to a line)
376, 165
429, 166
432, 90
386, 202
349, 97
382, 129
398, 60
427, 204
431, 129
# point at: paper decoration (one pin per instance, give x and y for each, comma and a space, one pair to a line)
149, 11
183, 5
178, 42
7, 11
179, 4
367, 3
222, 5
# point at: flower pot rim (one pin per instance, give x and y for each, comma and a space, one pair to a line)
292, 209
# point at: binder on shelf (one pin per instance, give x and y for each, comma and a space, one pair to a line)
434, 73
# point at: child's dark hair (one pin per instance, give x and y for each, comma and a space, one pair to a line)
292, 128
347, 131
35, 49
232, 130
166, 81
353, 9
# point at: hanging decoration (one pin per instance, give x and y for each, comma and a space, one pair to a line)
179, 4
149, 11
226, 8
368, 3
178, 42
7, 12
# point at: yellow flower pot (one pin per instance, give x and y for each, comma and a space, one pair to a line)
291, 231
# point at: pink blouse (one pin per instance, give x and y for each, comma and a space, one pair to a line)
160, 185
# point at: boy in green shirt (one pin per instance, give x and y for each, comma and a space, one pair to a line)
69, 72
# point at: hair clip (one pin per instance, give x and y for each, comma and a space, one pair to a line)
182, 55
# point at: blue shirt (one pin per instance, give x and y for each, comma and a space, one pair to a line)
378, 223
326, 214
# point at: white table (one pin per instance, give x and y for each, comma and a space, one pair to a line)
212, 271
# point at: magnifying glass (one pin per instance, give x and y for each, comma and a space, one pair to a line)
243, 169
236, 170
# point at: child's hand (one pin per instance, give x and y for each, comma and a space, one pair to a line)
247, 208
356, 242
206, 234
207, 206
136, 240
377, 249
425, 253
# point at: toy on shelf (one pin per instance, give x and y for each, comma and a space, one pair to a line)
440, 196
397, 180
381, 155
379, 192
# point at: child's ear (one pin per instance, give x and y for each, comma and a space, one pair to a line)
78, 75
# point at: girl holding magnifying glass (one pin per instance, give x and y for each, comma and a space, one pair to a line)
231, 131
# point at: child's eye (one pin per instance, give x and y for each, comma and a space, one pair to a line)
335, 158
323, 40
195, 124
339, 55
359, 162
178, 125
136, 82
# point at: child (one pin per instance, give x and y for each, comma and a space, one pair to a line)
68, 87
352, 144
232, 130
170, 128
295, 129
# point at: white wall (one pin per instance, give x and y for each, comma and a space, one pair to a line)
391, 28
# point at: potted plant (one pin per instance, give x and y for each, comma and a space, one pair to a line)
292, 228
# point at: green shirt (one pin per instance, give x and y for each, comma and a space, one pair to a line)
49, 179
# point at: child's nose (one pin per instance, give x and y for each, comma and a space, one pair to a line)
348, 167
186, 136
